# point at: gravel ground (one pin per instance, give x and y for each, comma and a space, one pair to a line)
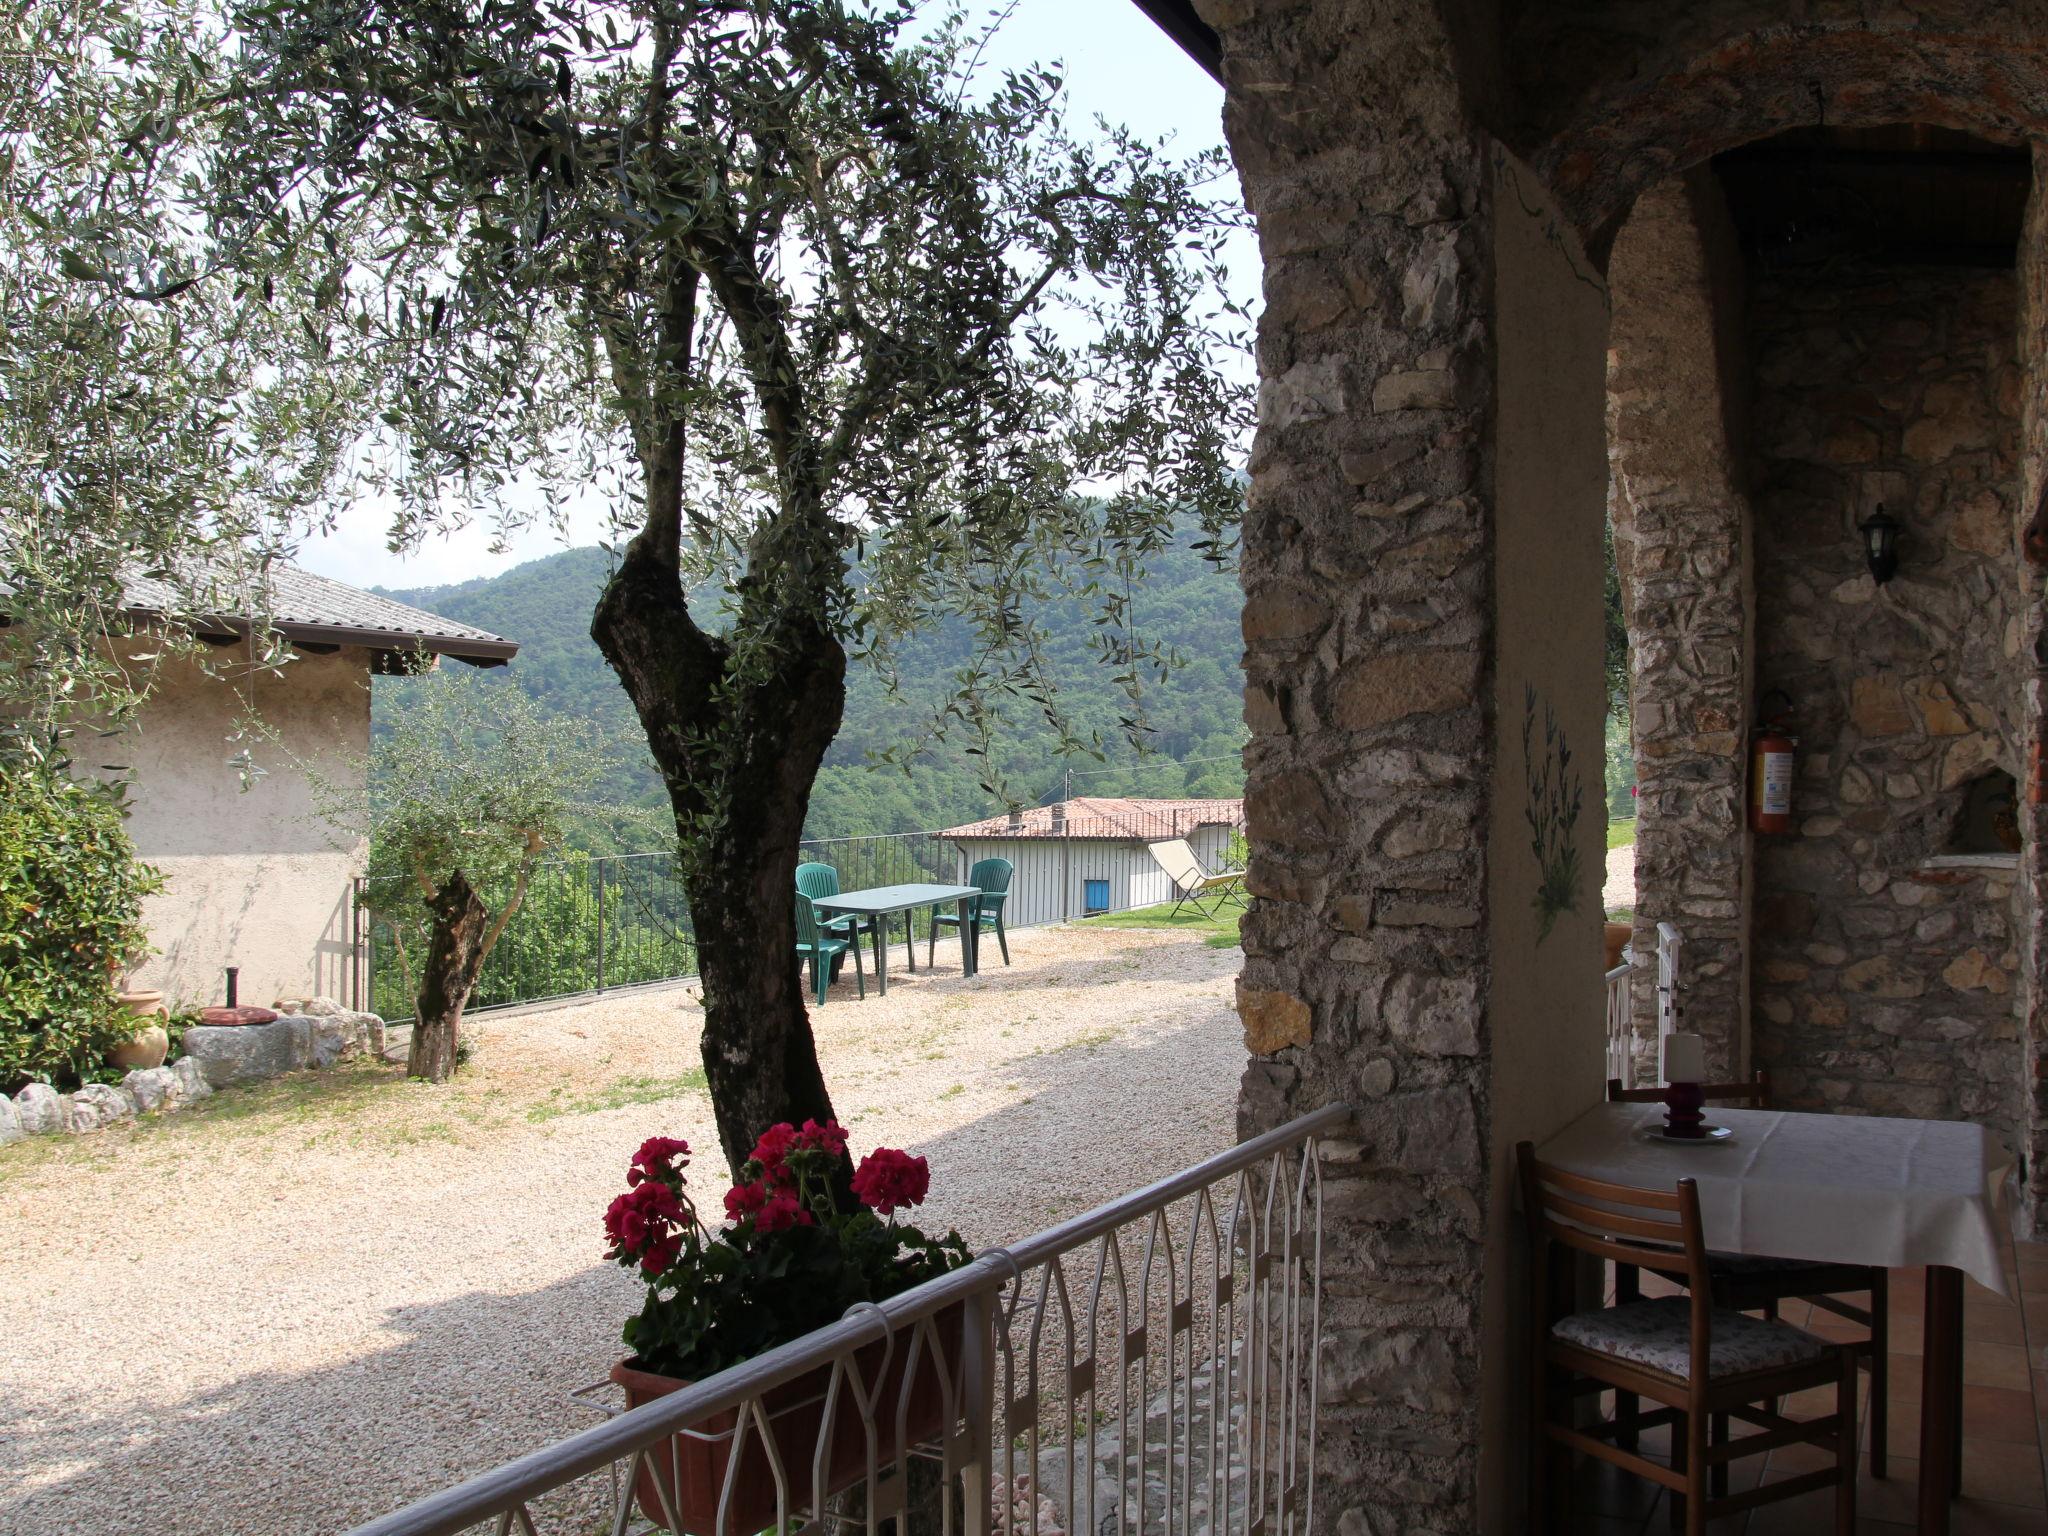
1618, 894
301, 1305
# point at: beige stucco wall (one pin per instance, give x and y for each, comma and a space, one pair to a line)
1550, 494
254, 878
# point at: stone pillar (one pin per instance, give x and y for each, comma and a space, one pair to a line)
1682, 540
2029, 648
1390, 958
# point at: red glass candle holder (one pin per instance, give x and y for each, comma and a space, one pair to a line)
1684, 1111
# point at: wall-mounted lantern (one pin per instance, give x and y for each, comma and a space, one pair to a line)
1880, 544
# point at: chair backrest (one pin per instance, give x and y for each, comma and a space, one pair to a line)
1178, 860
992, 878
807, 931
1618, 1222
1754, 1094
816, 880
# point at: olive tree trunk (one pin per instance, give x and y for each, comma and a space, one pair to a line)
456, 948
738, 755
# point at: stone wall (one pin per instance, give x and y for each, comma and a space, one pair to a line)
2031, 648
1676, 391
1882, 984
1367, 594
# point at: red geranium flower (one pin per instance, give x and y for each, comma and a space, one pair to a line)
781, 1212
829, 1137
644, 1216
658, 1155
775, 1144
888, 1180
743, 1200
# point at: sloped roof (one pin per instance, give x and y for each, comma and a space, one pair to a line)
320, 610
1110, 817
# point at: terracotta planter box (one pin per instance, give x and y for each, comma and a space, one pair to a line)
796, 1414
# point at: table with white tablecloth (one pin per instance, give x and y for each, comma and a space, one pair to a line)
1845, 1189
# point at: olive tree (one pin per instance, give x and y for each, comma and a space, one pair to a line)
469, 789
161, 413
868, 338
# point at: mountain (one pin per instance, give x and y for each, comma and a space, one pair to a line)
1186, 604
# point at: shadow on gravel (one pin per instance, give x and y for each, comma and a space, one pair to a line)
316, 1452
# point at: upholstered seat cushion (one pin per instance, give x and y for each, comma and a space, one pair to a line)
1657, 1335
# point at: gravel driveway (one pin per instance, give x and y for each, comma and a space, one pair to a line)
298, 1306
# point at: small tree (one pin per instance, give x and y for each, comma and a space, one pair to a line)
470, 788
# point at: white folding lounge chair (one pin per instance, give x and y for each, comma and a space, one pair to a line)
1191, 882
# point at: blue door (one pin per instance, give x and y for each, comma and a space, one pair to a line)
1095, 895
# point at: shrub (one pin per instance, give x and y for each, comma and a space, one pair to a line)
70, 908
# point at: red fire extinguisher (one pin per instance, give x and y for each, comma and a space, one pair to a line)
1773, 751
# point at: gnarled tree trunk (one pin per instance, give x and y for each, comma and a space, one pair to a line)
455, 953
740, 810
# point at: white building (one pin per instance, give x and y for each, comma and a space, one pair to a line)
1088, 854
254, 878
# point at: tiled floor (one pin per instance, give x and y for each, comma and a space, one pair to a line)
2005, 1411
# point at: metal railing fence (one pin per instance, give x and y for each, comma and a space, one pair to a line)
1148, 1369
593, 923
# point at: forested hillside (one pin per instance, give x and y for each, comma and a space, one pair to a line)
1195, 714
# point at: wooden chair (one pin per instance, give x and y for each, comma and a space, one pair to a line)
1704, 1364
1751, 1283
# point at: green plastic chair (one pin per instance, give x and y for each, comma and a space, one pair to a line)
818, 881
820, 943
992, 878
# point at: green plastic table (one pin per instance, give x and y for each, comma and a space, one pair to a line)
883, 902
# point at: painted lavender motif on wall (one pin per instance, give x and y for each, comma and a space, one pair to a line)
1556, 795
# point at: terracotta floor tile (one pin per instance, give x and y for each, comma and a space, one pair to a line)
2033, 1276
2002, 1474
1974, 1517
1907, 1329
1903, 1378
1989, 1413
1997, 1325
1997, 1365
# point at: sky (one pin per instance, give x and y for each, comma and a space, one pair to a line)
1118, 66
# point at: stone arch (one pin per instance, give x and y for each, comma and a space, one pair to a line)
1609, 113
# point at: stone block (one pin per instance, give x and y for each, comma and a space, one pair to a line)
1272, 1021
1938, 709
1883, 976
1418, 1370
10, 1122
154, 1088
1435, 1015
191, 1077
1420, 389
1283, 616
98, 1104
251, 1052
1968, 757
1392, 685
40, 1109
1878, 707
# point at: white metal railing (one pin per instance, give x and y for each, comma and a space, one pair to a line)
1148, 1369
1620, 1026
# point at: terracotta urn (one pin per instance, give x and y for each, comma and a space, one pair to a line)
1618, 935
150, 1043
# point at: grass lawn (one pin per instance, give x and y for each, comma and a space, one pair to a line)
1219, 930
1620, 833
